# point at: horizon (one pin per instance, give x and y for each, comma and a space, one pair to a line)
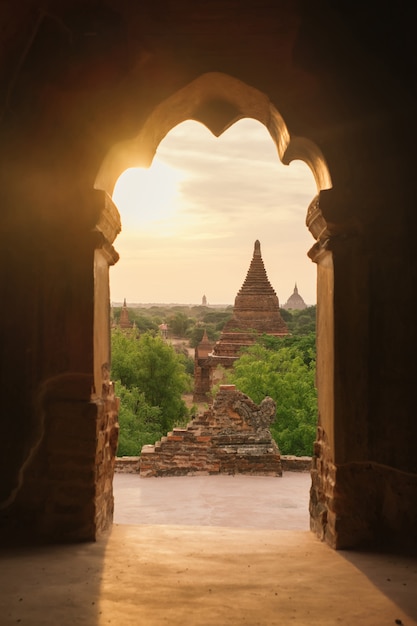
133, 304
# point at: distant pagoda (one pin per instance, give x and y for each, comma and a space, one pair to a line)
295, 301
256, 312
124, 321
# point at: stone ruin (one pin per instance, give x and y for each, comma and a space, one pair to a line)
232, 437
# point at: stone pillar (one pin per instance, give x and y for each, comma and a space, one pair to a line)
60, 488
107, 404
362, 480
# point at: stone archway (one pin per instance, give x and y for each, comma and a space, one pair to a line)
79, 79
218, 101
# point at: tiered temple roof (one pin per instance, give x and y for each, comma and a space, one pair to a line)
256, 311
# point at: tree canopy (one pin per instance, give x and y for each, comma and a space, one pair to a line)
286, 372
139, 422
152, 366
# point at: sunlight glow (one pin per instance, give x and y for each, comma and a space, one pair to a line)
148, 198
189, 221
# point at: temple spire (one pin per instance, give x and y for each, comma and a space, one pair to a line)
124, 321
295, 301
256, 280
256, 304
256, 312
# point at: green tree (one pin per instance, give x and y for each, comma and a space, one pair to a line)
195, 334
125, 356
179, 323
217, 317
301, 322
284, 375
184, 358
153, 366
139, 422
305, 345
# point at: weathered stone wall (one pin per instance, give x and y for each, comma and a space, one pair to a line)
323, 476
361, 503
66, 491
232, 437
107, 438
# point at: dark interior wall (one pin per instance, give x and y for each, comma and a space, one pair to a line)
368, 482
82, 76
364, 63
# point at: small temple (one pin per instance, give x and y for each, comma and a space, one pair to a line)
295, 302
256, 311
124, 321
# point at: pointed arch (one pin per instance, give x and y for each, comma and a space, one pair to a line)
218, 101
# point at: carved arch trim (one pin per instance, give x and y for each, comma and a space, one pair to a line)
218, 101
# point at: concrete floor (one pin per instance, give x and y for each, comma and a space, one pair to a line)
205, 574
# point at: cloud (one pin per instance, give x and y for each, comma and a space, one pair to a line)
231, 191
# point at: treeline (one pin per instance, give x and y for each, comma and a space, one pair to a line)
189, 322
184, 322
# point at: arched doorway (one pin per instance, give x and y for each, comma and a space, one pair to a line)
218, 101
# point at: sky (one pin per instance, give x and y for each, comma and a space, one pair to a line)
190, 221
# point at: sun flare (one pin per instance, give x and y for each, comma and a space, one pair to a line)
148, 198
197, 210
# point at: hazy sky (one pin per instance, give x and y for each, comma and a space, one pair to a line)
189, 222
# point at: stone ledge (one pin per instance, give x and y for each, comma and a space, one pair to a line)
130, 464
292, 463
127, 465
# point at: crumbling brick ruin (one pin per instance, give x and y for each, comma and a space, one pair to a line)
231, 437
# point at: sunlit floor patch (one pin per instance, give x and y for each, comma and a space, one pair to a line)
239, 501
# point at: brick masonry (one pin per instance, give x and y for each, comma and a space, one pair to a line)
289, 463
231, 437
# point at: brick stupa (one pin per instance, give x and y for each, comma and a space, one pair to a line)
256, 312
